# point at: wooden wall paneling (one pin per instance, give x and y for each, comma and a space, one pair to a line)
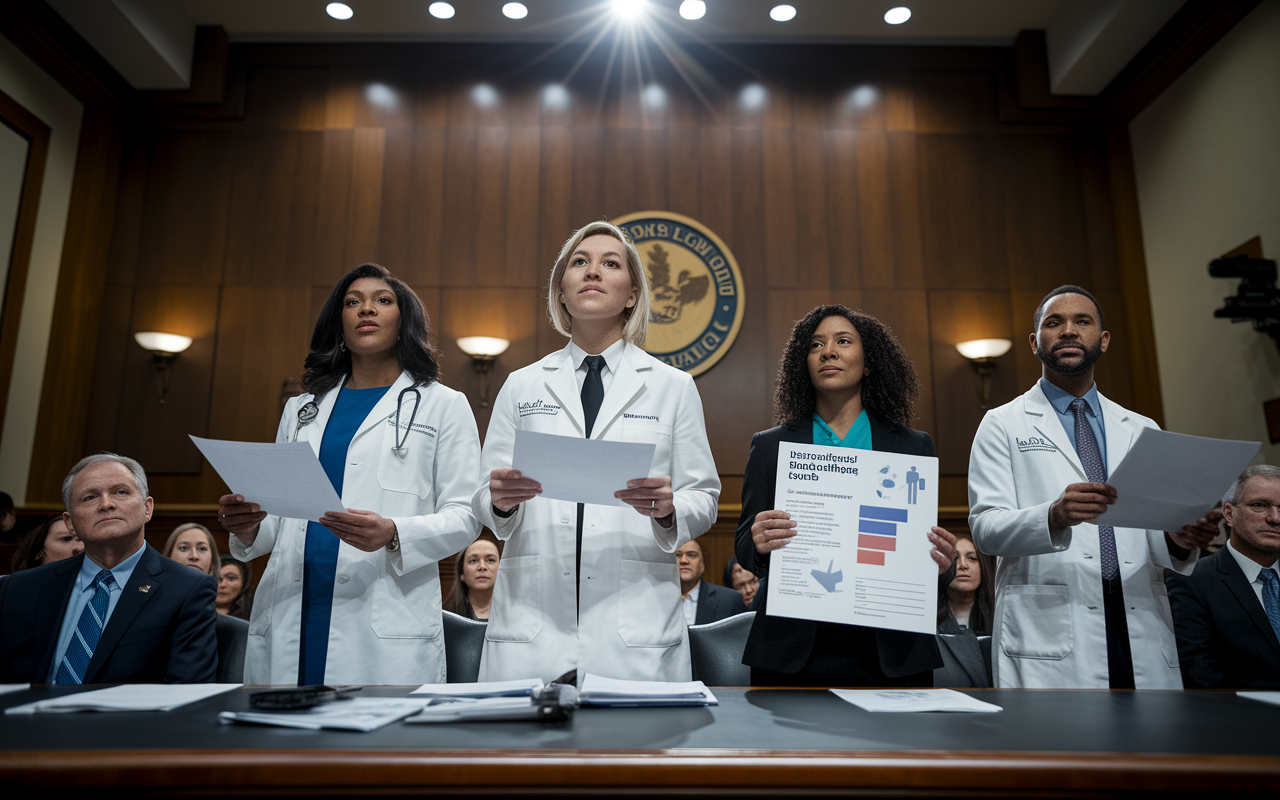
777, 167
906, 312
856, 101
887, 210
413, 203
717, 549
349, 216
556, 181
523, 259
488, 225
957, 316
718, 183
652, 155
65, 393
370, 96
1116, 373
955, 101
274, 208
685, 173
1022, 306
842, 234
810, 104
287, 98
620, 168
737, 396
588, 200
1044, 214
430, 98
461, 190
962, 217
1099, 216
813, 184
115, 339
899, 100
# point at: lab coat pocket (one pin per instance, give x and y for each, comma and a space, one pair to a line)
1163, 624
646, 592
1035, 622
516, 615
402, 609
654, 434
264, 600
409, 471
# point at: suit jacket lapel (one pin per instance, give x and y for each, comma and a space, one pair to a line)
51, 608
1234, 579
1044, 418
627, 382
563, 386
132, 599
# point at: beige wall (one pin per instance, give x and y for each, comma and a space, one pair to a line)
1207, 158
29, 85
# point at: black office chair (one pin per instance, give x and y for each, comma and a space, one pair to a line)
463, 641
233, 643
963, 662
716, 649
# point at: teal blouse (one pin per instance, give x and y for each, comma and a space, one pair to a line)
859, 435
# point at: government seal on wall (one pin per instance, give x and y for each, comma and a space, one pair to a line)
695, 289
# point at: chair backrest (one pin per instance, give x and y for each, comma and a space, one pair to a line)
463, 641
716, 649
233, 643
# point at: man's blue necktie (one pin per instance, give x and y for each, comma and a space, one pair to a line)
1271, 597
88, 631
1091, 459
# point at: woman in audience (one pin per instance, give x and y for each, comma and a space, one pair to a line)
594, 588
969, 602
843, 381
192, 544
474, 572
233, 597
51, 541
354, 598
741, 581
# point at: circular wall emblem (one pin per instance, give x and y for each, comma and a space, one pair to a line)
695, 289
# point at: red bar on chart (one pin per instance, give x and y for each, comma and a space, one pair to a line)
889, 543
871, 557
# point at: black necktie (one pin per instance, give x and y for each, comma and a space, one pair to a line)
592, 397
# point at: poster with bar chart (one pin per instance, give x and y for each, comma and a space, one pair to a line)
860, 555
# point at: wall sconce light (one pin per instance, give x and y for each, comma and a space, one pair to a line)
982, 354
483, 350
164, 348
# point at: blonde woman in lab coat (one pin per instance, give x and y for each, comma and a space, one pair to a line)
595, 588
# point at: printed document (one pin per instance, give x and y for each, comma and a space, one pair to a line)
580, 470
284, 479
909, 700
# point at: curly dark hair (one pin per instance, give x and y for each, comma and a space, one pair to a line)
329, 359
889, 390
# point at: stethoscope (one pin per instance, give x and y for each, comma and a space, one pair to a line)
310, 411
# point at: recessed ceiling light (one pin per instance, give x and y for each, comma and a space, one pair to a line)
381, 95
556, 97
484, 95
628, 9
898, 15
753, 97
339, 10
441, 10
655, 96
515, 11
782, 13
693, 9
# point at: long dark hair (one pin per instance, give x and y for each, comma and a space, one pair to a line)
30, 552
459, 599
982, 617
243, 602
329, 359
889, 390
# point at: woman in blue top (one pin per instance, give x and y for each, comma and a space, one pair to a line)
843, 381
354, 597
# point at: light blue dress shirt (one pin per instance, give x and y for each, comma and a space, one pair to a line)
80, 594
1061, 402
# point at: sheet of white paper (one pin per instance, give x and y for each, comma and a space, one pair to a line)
360, 714
601, 691
909, 700
284, 479
5, 688
1262, 697
1168, 480
580, 470
521, 687
860, 555
458, 709
128, 697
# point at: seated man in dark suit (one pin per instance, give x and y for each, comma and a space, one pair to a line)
1227, 612
117, 613
703, 602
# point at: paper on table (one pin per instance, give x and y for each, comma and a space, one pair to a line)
1262, 697
284, 479
1168, 480
601, 691
908, 700
580, 470
472, 709
521, 687
5, 688
128, 697
361, 714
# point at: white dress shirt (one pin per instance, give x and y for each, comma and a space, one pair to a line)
1252, 569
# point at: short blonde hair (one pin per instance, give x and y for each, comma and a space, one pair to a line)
636, 327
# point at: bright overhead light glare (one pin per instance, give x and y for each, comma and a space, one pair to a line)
898, 15
555, 97
863, 97
693, 9
655, 96
339, 10
485, 95
753, 97
381, 95
515, 11
441, 10
782, 13
628, 9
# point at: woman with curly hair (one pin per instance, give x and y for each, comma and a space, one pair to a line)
843, 381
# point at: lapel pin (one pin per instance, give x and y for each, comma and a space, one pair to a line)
145, 589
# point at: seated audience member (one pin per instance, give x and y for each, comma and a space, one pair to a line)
702, 602
8, 516
51, 541
741, 581
970, 599
234, 597
117, 613
474, 572
1227, 612
192, 544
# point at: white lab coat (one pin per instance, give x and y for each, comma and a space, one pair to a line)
1049, 627
386, 626
632, 626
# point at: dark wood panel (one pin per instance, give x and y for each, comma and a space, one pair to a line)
1044, 211
905, 312
289, 98
962, 219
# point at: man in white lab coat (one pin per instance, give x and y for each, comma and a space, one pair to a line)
1078, 605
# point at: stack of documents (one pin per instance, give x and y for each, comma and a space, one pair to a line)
905, 700
129, 697
361, 714
521, 687
476, 709
600, 691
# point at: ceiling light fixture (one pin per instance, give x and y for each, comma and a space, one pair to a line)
628, 9
515, 11
441, 10
782, 13
693, 9
897, 15
339, 10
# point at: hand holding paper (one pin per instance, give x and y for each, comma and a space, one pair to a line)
283, 479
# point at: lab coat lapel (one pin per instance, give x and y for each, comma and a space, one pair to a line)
386, 406
626, 384
1119, 432
1044, 419
563, 386
313, 434
132, 599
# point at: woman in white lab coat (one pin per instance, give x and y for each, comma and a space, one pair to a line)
354, 598
595, 588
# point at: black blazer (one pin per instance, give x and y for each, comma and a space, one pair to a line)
163, 634
783, 644
716, 603
1224, 637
